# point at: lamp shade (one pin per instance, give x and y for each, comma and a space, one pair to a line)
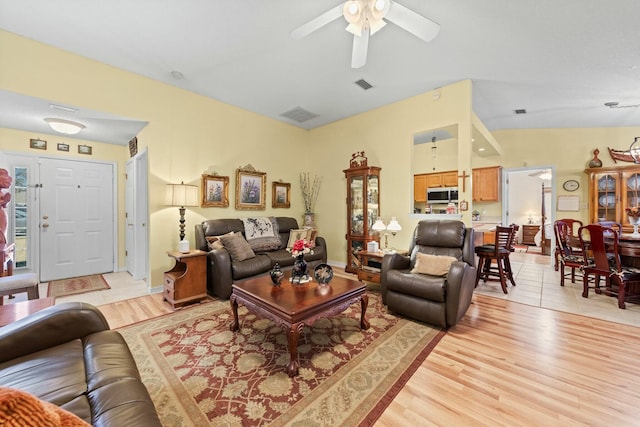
378, 225
181, 195
394, 225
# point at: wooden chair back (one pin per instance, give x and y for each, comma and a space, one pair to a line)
603, 256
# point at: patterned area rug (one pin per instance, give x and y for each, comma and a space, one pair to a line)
200, 373
77, 285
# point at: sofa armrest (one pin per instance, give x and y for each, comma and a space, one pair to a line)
391, 262
50, 327
201, 241
220, 273
321, 242
461, 281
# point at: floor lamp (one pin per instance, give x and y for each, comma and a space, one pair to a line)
182, 195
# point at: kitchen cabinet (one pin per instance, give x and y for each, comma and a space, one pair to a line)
486, 184
611, 191
420, 188
422, 182
363, 209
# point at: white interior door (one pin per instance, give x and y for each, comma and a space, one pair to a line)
137, 258
76, 218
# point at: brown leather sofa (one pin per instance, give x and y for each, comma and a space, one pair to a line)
439, 300
222, 272
67, 355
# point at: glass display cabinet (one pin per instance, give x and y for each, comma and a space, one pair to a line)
363, 207
611, 191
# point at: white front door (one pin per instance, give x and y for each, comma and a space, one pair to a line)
76, 218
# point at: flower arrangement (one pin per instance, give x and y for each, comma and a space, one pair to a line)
633, 212
301, 247
310, 189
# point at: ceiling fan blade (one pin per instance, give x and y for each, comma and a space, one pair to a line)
360, 47
410, 21
317, 23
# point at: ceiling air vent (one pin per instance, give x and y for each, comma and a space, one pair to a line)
363, 84
299, 115
520, 111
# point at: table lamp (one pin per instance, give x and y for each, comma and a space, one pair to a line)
380, 227
182, 195
393, 227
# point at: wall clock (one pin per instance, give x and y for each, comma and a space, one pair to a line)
571, 185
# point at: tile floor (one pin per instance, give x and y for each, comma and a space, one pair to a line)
538, 284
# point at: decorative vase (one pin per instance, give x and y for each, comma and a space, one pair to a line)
309, 219
276, 275
635, 221
299, 271
595, 162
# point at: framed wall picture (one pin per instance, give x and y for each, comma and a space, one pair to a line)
280, 195
85, 149
251, 187
38, 144
215, 191
63, 147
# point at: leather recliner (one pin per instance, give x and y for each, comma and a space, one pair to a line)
438, 300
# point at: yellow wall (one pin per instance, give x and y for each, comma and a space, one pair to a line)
189, 134
186, 136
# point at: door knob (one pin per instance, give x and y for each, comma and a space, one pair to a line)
45, 225
45, 217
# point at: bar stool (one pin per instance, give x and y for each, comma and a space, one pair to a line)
498, 252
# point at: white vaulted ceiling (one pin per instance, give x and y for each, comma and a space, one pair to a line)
559, 60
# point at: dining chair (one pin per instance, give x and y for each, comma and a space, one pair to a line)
572, 241
566, 255
498, 252
601, 244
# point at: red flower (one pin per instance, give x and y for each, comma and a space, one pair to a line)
301, 246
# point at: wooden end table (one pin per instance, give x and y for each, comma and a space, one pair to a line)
186, 282
370, 262
292, 306
9, 313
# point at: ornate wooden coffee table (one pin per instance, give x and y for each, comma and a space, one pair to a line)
292, 306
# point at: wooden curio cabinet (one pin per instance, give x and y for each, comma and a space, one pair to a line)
363, 207
611, 191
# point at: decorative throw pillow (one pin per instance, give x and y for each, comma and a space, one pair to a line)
19, 408
297, 234
262, 233
433, 265
311, 234
237, 246
214, 241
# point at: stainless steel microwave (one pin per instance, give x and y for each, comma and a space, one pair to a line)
442, 195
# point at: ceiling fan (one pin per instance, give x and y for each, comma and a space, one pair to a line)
366, 17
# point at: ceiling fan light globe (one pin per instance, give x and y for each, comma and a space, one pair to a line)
352, 12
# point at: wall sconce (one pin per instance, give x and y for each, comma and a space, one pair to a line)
182, 195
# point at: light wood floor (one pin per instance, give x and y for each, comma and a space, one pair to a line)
506, 364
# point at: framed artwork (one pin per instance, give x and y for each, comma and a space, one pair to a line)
38, 144
280, 195
85, 149
251, 187
63, 147
215, 191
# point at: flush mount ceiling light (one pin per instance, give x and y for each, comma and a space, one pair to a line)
64, 126
365, 18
